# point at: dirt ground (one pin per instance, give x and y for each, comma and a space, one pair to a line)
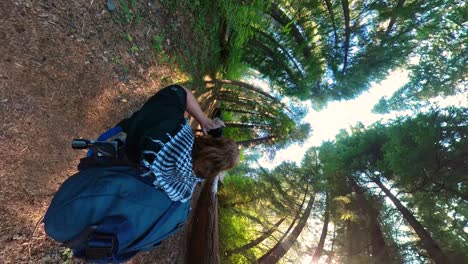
69, 69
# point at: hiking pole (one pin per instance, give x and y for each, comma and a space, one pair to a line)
81, 143
101, 148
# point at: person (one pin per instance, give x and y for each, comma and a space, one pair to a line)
160, 139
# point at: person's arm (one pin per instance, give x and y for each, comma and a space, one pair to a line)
193, 108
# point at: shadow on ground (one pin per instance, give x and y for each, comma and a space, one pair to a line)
65, 72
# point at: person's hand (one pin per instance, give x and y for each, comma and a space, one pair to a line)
211, 124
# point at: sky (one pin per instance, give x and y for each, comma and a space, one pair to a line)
327, 123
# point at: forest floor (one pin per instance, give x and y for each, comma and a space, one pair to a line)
73, 69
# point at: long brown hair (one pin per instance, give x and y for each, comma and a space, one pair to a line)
211, 155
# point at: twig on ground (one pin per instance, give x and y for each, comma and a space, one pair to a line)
32, 234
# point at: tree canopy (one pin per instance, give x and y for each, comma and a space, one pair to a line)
392, 192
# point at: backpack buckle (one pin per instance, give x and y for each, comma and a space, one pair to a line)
100, 246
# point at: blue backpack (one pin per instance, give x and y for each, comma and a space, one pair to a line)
108, 213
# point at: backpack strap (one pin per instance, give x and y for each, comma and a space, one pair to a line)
101, 242
109, 135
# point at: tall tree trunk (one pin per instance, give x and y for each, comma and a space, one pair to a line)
250, 103
280, 249
239, 111
251, 113
323, 236
349, 242
345, 5
277, 44
394, 16
256, 241
276, 183
279, 62
248, 216
332, 251
277, 14
242, 125
296, 217
379, 248
431, 246
332, 18
203, 244
234, 204
245, 86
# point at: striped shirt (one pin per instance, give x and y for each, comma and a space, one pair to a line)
172, 165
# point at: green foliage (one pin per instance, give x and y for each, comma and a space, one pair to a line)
128, 37
236, 70
134, 48
239, 199
343, 199
299, 47
422, 157
237, 189
201, 55
440, 67
236, 134
116, 60
422, 147
127, 13
236, 231
66, 255
157, 42
270, 195
238, 18
270, 125
325, 50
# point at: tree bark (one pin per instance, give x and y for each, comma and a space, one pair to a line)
257, 241
280, 249
234, 204
251, 113
431, 246
349, 242
248, 216
277, 14
242, 125
239, 111
245, 86
283, 49
203, 244
278, 61
252, 103
394, 16
296, 217
345, 5
262, 107
332, 251
236, 101
323, 236
379, 248
332, 18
